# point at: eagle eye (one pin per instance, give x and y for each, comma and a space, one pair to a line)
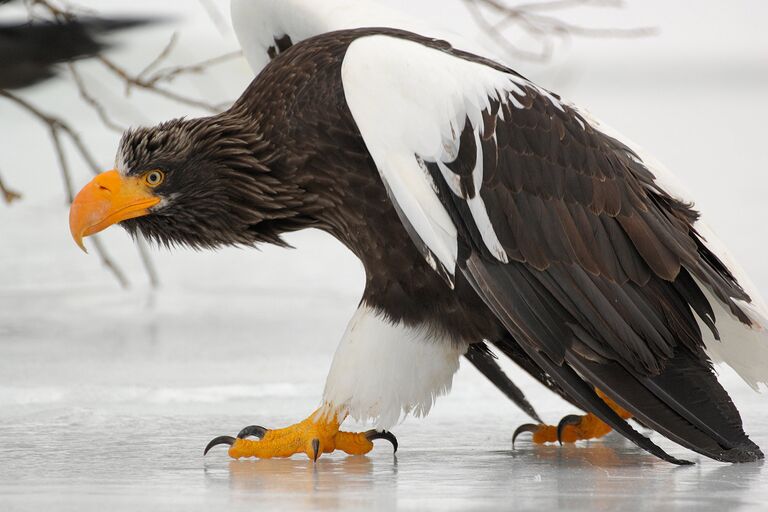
154, 178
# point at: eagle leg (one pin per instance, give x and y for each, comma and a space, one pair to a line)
317, 434
572, 428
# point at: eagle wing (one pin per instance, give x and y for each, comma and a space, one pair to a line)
563, 230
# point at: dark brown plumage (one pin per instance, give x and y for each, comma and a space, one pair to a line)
605, 269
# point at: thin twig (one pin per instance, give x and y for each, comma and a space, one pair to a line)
146, 260
164, 53
107, 262
141, 81
168, 74
546, 28
527, 14
63, 165
56, 125
64, 14
8, 195
101, 111
495, 33
559, 5
59, 123
135, 81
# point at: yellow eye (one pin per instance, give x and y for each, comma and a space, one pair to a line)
154, 178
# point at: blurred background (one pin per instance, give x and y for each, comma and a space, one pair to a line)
688, 81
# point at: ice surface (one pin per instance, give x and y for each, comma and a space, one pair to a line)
108, 397
118, 414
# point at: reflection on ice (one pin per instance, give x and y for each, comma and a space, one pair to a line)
608, 475
85, 416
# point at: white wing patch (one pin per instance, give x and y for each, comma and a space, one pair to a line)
258, 22
411, 104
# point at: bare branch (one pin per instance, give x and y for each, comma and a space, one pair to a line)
168, 74
84, 153
9, 196
559, 5
63, 165
130, 80
495, 33
60, 13
160, 56
108, 263
535, 19
56, 122
56, 126
136, 81
141, 81
93, 102
146, 260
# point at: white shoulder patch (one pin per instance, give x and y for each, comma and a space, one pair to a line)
411, 104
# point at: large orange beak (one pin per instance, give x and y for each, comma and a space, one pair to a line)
108, 199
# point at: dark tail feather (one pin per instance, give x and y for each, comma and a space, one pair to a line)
584, 393
484, 361
684, 403
497, 297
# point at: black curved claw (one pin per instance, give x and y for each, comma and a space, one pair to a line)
316, 449
571, 419
528, 427
372, 435
219, 440
253, 430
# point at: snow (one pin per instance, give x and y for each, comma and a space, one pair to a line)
107, 397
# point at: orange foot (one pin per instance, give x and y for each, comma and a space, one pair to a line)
572, 428
314, 436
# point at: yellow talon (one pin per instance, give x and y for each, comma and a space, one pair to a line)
573, 428
314, 436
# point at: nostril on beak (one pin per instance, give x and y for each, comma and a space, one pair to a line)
102, 187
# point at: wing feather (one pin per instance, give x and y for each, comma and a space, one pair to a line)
591, 264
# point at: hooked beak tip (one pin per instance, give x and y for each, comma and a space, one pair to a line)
80, 244
108, 199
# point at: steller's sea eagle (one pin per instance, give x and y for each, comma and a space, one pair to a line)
266, 28
483, 207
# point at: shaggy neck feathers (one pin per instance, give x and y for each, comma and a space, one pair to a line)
226, 184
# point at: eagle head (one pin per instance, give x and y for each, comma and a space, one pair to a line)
202, 183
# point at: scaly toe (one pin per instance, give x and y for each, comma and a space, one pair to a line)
314, 436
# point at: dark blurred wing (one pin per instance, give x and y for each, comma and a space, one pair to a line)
564, 232
30, 51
